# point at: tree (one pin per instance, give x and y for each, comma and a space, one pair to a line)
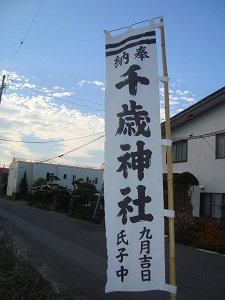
84, 194
23, 186
39, 181
53, 178
187, 182
76, 183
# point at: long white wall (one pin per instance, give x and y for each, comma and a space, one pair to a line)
36, 170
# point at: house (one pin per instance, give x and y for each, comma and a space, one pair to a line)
65, 173
198, 147
4, 172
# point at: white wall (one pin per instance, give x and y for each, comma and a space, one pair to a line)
36, 170
16, 173
201, 159
41, 169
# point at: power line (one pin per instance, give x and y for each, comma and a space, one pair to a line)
53, 141
201, 136
61, 155
211, 147
61, 99
192, 137
77, 148
21, 43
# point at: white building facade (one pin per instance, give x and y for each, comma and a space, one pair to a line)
65, 173
198, 135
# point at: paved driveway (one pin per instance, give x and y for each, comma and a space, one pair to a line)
72, 254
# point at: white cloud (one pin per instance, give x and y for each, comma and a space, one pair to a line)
173, 98
173, 102
81, 83
178, 92
99, 83
58, 88
29, 85
189, 99
63, 94
95, 82
39, 118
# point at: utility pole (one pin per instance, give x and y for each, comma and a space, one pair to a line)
2, 87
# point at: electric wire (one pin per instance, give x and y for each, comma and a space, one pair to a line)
46, 142
211, 147
192, 137
21, 43
41, 92
202, 136
61, 155
61, 99
77, 148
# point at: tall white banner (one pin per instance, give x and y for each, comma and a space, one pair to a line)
133, 189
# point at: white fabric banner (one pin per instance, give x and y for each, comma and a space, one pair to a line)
133, 190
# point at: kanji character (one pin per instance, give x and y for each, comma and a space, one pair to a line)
140, 203
132, 80
121, 238
124, 205
145, 232
133, 121
120, 59
141, 53
138, 160
145, 246
145, 275
121, 255
122, 273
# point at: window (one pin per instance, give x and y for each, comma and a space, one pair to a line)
74, 177
87, 179
212, 205
220, 145
96, 180
48, 175
64, 176
179, 151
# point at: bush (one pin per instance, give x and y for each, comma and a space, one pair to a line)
41, 199
184, 227
202, 233
17, 279
211, 237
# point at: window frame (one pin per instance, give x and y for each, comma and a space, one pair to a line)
218, 136
176, 143
213, 206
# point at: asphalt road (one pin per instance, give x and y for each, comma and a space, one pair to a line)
72, 254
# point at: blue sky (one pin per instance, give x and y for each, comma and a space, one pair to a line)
56, 77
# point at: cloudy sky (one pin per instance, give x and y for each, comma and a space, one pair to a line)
52, 53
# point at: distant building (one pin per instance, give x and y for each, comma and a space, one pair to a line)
65, 173
4, 172
198, 135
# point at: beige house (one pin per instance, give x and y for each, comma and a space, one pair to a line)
198, 136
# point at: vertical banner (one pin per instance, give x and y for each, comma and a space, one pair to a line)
134, 209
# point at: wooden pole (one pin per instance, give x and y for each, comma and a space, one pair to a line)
169, 167
2, 87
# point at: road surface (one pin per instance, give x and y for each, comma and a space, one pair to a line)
72, 254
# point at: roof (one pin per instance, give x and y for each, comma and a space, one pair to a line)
4, 170
196, 109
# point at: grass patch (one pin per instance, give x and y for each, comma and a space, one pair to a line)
17, 279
